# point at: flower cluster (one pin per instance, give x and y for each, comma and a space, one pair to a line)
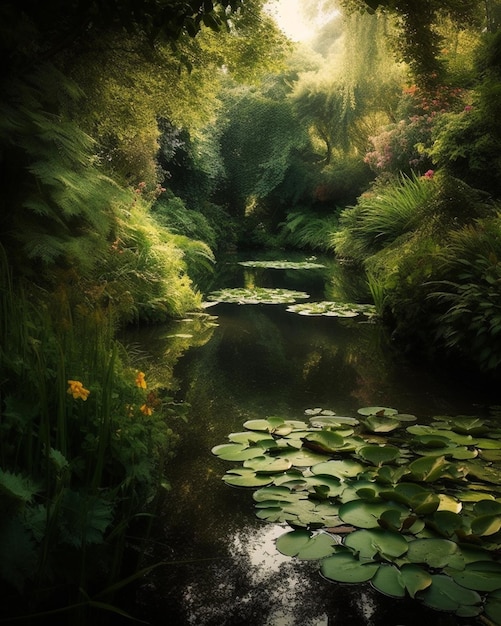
77, 390
140, 381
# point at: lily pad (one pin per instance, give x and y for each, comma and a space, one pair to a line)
389, 580
341, 468
258, 295
345, 568
367, 514
379, 455
446, 595
332, 309
483, 576
283, 265
246, 478
381, 411
306, 546
369, 543
433, 552
236, 452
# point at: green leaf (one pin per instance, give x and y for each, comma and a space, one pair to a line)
369, 543
268, 464
429, 469
236, 452
493, 607
389, 580
415, 578
246, 478
446, 595
324, 441
377, 410
381, 424
340, 468
433, 552
480, 576
379, 455
344, 568
367, 514
486, 525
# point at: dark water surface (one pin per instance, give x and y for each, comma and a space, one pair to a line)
259, 361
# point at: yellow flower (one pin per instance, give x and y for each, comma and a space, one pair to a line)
147, 410
77, 390
140, 382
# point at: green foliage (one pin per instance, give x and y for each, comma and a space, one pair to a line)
382, 215
468, 144
414, 511
308, 231
64, 207
83, 441
469, 305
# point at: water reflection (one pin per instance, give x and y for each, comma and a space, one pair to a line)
261, 360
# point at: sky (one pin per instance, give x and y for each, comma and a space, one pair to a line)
289, 17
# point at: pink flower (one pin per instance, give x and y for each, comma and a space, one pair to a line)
468, 108
429, 174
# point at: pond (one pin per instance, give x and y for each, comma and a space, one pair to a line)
250, 361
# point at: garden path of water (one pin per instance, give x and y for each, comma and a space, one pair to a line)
261, 360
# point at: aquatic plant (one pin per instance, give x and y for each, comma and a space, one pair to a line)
413, 508
333, 309
258, 295
283, 265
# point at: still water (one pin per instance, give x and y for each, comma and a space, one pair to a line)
254, 361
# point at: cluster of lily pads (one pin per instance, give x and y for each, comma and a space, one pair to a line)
257, 295
283, 265
333, 309
262, 295
414, 509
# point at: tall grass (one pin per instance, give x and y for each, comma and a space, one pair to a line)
81, 446
382, 215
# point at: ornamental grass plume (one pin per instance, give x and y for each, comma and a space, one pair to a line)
77, 390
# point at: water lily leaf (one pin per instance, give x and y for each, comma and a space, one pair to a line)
268, 464
335, 422
324, 441
469, 425
368, 543
483, 576
487, 507
486, 525
432, 441
389, 580
283, 265
257, 295
307, 546
415, 578
332, 485
492, 456
341, 468
381, 424
447, 522
292, 542
367, 514
248, 437
379, 455
434, 552
304, 458
488, 444
483, 472
446, 595
236, 452
246, 478
492, 607
280, 494
377, 410
429, 469
424, 504
344, 568
404, 493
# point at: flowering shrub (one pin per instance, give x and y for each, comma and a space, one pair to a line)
403, 146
